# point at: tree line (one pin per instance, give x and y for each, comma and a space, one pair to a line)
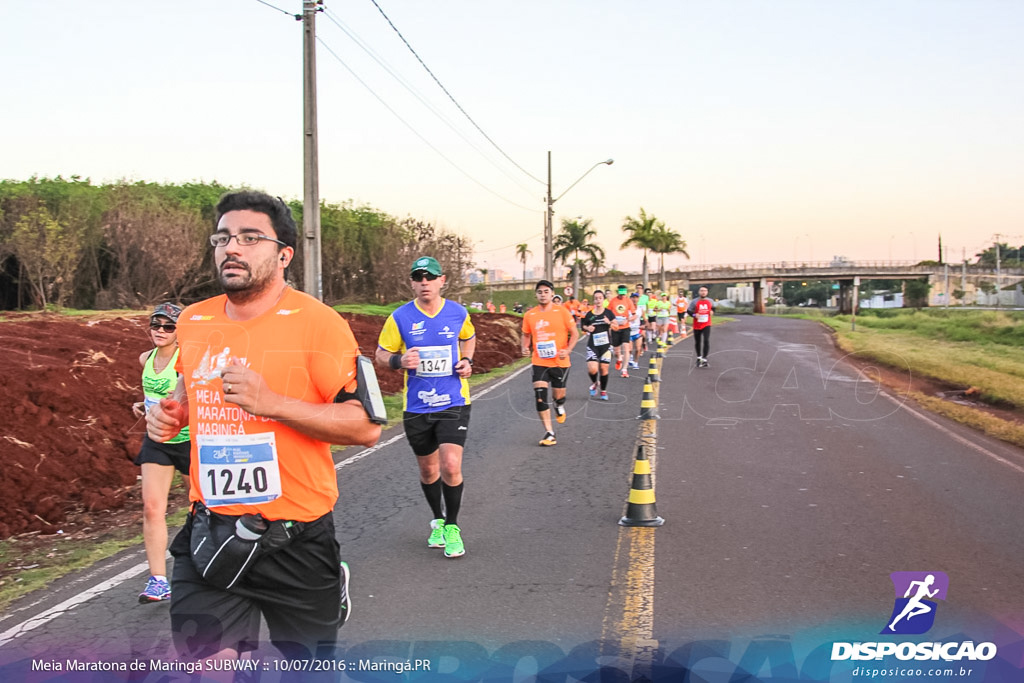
68, 242
574, 246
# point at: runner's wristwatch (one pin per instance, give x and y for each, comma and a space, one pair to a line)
467, 359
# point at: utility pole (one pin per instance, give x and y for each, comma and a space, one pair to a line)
945, 291
998, 278
311, 257
548, 237
963, 275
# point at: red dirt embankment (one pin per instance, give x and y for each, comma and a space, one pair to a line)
67, 433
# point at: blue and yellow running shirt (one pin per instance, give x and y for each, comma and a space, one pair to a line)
434, 385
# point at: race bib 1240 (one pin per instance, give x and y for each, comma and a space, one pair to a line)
238, 469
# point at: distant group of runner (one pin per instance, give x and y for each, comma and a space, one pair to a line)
245, 393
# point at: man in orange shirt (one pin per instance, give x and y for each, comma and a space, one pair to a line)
551, 331
267, 382
623, 308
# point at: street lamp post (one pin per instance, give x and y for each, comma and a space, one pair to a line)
549, 240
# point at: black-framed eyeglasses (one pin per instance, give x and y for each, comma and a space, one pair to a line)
421, 275
244, 239
166, 327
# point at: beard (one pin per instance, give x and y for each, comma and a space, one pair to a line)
245, 285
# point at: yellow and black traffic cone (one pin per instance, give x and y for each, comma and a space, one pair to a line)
648, 408
640, 507
652, 371
660, 353
670, 341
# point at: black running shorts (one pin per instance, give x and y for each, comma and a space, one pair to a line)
427, 431
176, 455
600, 354
297, 589
620, 337
556, 376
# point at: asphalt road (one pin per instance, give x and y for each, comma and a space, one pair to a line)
790, 484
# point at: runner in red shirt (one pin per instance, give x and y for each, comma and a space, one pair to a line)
701, 309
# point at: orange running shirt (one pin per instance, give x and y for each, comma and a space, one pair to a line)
246, 464
622, 308
549, 331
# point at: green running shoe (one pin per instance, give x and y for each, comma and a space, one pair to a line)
453, 546
346, 601
436, 539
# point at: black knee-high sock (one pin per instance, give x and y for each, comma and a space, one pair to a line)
593, 377
604, 382
452, 502
433, 494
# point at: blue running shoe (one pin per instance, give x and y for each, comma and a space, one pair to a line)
157, 590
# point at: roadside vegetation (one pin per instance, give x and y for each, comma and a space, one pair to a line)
30, 562
70, 243
978, 351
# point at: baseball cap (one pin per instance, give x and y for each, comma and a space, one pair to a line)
167, 310
427, 263
621, 289
634, 295
544, 283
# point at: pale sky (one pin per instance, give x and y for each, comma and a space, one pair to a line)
772, 130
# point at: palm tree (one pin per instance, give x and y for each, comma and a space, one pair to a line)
666, 241
575, 239
641, 235
522, 251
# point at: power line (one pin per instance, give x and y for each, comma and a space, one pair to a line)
293, 16
417, 133
384, 65
445, 90
507, 246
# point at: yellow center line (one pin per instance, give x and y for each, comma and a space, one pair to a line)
627, 631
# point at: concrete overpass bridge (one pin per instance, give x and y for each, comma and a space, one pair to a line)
943, 278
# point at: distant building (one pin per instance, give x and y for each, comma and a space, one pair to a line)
740, 294
883, 299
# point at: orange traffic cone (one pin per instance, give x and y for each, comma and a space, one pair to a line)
640, 507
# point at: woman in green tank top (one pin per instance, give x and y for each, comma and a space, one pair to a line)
159, 460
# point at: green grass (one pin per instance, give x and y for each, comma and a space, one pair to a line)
369, 309
60, 556
983, 349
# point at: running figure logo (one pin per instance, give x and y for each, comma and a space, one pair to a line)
914, 612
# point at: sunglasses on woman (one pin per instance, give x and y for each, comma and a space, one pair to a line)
167, 327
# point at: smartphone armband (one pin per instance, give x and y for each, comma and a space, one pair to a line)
368, 391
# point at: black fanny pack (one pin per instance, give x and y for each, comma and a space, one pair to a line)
219, 553
225, 547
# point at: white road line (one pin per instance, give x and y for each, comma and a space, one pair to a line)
54, 612
953, 435
369, 451
398, 437
88, 594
